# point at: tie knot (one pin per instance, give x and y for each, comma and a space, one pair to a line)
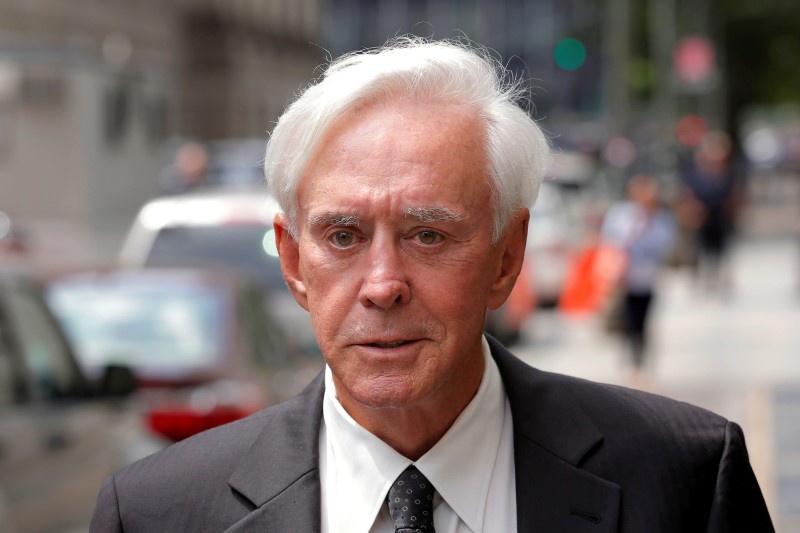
411, 502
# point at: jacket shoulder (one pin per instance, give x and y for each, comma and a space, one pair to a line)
187, 486
615, 411
634, 422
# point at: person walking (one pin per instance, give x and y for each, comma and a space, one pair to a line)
716, 188
644, 232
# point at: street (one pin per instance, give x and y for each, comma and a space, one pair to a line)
736, 353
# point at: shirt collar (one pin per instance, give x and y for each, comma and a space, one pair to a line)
365, 467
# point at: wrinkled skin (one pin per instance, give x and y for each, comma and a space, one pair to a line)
393, 259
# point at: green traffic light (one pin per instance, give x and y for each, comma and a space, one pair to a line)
570, 54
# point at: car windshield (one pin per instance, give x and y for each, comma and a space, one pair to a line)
165, 330
246, 248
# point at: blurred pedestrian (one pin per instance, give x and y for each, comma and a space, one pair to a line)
645, 232
712, 182
188, 171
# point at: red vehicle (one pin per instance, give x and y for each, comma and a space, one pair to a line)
200, 344
228, 229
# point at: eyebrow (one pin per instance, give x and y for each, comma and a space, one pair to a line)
333, 219
423, 214
433, 214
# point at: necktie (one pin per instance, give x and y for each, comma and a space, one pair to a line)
411, 502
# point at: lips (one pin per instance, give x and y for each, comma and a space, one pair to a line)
388, 342
391, 344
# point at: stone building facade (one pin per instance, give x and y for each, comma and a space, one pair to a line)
90, 90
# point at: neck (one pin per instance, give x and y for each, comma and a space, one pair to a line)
411, 434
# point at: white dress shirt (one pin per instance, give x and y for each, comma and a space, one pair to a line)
471, 467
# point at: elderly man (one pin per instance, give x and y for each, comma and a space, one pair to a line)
405, 175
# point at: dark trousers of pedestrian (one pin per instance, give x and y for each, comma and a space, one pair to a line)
637, 309
711, 268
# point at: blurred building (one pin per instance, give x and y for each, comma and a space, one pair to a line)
91, 89
573, 56
523, 33
602, 73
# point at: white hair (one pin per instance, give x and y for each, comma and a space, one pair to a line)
424, 71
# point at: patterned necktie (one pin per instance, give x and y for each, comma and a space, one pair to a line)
411, 502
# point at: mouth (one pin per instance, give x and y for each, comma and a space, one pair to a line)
387, 344
390, 344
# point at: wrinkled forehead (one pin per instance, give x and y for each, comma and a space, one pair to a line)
422, 155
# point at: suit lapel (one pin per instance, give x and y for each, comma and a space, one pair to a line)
552, 437
279, 475
553, 495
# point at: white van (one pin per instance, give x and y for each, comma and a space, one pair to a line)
228, 229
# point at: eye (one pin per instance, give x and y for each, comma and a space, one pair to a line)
342, 239
429, 237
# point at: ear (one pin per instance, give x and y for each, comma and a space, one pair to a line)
289, 251
512, 254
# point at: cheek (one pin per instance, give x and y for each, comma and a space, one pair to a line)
331, 291
461, 296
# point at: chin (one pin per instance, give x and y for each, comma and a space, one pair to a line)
384, 393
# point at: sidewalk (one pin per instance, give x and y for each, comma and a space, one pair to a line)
737, 355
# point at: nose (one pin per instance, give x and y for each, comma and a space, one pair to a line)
385, 281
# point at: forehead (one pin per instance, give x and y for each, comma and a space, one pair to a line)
401, 154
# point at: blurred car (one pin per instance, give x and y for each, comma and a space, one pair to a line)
236, 162
224, 229
572, 168
552, 237
59, 437
554, 233
221, 163
200, 344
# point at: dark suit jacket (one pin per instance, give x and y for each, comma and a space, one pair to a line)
588, 458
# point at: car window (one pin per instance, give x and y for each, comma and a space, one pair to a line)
248, 248
44, 350
161, 328
264, 336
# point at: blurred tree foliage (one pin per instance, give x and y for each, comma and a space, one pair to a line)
761, 43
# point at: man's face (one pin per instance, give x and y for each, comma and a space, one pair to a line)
393, 256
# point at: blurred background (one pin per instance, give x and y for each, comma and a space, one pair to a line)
140, 292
